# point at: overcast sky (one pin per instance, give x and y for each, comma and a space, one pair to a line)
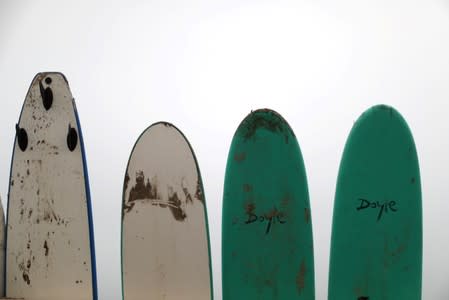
203, 65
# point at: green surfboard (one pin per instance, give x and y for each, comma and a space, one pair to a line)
267, 247
376, 247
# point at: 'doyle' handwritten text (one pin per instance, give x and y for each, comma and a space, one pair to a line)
383, 207
270, 219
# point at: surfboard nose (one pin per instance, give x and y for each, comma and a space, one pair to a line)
47, 91
51, 74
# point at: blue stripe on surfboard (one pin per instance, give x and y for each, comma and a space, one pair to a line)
89, 207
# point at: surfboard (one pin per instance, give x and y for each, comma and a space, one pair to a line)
165, 239
267, 246
376, 246
49, 238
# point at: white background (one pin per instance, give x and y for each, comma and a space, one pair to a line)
204, 64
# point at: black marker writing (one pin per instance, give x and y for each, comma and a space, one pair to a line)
270, 218
384, 207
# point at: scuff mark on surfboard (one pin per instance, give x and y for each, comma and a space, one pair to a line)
175, 205
125, 184
307, 215
146, 191
25, 272
199, 195
239, 157
250, 208
187, 195
301, 277
46, 248
268, 120
142, 190
247, 188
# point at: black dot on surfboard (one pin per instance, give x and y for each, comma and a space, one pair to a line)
47, 95
48, 80
22, 138
72, 138
363, 298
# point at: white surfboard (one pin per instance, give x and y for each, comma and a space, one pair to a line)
165, 243
49, 239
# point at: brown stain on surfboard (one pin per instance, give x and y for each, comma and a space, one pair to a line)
175, 207
199, 195
250, 208
239, 157
145, 191
301, 277
247, 188
307, 215
259, 119
273, 214
141, 190
46, 248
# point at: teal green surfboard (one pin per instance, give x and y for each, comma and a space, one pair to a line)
376, 247
267, 247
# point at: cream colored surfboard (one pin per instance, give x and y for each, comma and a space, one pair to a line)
49, 241
165, 247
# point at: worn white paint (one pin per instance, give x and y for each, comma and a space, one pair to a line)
164, 257
48, 247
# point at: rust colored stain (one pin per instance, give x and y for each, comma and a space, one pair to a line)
394, 250
269, 282
285, 201
239, 157
247, 188
399, 250
307, 215
250, 207
360, 289
300, 277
